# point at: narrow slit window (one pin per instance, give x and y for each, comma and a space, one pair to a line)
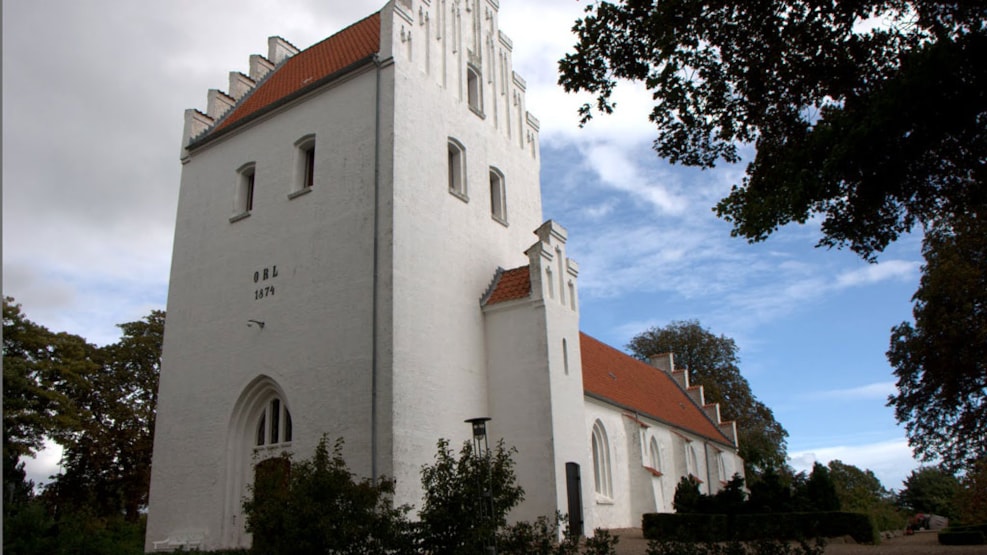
474, 91
245, 188
498, 196
275, 420
602, 480
304, 164
457, 169
261, 430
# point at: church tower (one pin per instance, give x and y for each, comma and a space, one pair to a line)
342, 210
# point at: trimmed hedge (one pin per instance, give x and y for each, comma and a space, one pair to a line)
971, 537
747, 527
964, 535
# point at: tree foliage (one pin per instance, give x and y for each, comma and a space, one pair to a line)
98, 403
820, 490
43, 373
941, 360
453, 516
971, 503
712, 362
930, 489
860, 491
870, 113
318, 506
108, 463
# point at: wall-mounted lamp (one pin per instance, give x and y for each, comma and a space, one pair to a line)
251, 323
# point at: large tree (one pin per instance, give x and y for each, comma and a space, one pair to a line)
108, 464
42, 373
871, 113
941, 360
98, 403
712, 362
930, 490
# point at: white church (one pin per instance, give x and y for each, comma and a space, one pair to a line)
360, 252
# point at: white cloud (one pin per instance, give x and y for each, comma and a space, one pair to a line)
900, 270
890, 460
870, 392
618, 168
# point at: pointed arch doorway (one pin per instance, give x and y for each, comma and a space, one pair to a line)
260, 429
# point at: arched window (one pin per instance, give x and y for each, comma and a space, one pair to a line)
654, 455
274, 425
690, 459
721, 466
602, 481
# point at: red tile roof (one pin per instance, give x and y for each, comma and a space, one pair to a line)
513, 284
307, 70
627, 382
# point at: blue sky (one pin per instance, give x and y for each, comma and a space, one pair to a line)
93, 95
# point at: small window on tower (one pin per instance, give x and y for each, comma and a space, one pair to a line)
474, 90
498, 196
457, 169
244, 198
304, 166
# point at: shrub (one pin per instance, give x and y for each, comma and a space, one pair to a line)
687, 498
316, 506
458, 493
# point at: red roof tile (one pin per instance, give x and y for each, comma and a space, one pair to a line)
513, 284
307, 69
630, 383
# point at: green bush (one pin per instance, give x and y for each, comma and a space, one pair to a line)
459, 493
316, 506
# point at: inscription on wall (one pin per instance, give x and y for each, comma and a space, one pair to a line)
261, 279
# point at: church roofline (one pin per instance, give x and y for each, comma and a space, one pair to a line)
614, 377
297, 75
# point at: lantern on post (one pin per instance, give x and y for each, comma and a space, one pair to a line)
481, 446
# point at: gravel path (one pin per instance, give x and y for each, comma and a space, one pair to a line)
923, 543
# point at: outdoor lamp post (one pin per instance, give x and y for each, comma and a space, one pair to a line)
481, 446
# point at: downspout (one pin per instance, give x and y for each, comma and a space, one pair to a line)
709, 483
373, 317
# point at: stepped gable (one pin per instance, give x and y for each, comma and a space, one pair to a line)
306, 70
634, 385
